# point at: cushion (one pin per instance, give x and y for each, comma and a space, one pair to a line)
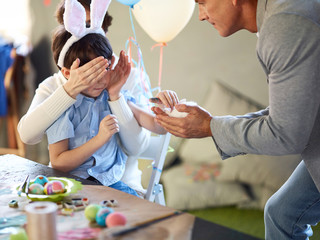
260, 195
270, 171
220, 101
189, 187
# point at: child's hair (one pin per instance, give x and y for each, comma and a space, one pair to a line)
86, 4
88, 47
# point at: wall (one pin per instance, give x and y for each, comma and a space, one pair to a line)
195, 57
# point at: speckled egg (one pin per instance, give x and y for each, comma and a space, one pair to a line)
36, 188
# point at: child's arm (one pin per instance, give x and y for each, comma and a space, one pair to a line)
146, 119
66, 160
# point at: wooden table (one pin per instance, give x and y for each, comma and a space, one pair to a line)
13, 170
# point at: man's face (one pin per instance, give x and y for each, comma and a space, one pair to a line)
222, 14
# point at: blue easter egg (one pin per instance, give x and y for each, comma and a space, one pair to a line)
42, 180
102, 215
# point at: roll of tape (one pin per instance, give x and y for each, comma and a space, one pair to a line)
41, 220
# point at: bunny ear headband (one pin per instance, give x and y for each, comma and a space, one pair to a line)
75, 22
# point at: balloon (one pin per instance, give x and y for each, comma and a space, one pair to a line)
162, 20
128, 2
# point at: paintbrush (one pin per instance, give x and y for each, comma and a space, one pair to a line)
22, 186
146, 223
155, 100
26, 190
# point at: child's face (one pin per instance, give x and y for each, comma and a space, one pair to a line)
96, 89
101, 84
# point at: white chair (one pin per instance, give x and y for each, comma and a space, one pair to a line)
157, 152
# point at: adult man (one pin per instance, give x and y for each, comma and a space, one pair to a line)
288, 49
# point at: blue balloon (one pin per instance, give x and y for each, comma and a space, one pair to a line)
128, 2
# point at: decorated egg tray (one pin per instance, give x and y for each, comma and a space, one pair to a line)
69, 186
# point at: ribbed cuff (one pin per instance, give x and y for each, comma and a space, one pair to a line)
58, 103
121, 109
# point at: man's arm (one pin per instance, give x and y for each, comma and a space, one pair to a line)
195, 125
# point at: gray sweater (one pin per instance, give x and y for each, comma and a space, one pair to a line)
288, 49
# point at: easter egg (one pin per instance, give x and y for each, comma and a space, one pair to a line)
91, 211
36, 188
54, 187
41, 179
19, 235
102, 215
116, 219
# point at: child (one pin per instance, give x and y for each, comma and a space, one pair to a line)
82, 141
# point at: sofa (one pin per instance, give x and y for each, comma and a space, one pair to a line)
200, 179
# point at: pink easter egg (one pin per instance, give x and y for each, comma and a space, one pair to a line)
54, 187
116, 219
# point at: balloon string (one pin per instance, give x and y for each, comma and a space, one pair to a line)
161, 45
144, 80
130, 54
132, 25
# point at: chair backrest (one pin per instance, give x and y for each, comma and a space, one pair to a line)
156, 151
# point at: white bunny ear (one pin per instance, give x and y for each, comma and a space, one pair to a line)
74, 18
98, 9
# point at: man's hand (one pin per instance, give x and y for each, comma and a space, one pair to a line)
195, 125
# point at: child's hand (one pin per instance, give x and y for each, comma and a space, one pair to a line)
108, 126
168, 98
118, 76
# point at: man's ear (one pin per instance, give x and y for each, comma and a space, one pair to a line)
66, 72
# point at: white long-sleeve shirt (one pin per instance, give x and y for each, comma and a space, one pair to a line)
51, 100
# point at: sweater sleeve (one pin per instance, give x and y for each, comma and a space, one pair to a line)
47, 105
288, 46
134, 138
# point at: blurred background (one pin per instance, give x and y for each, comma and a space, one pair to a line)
191, 61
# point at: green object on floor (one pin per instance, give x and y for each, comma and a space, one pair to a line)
249, 221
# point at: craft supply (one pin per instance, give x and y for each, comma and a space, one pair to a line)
20, 234
41, 220
36, 188
85, 201
54, 187
26, 190
102, 215
109, 203
66, 211
146, 223
41, 179
80, 233
22, 185
91, 211
116, 219
155, 100
13, 204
